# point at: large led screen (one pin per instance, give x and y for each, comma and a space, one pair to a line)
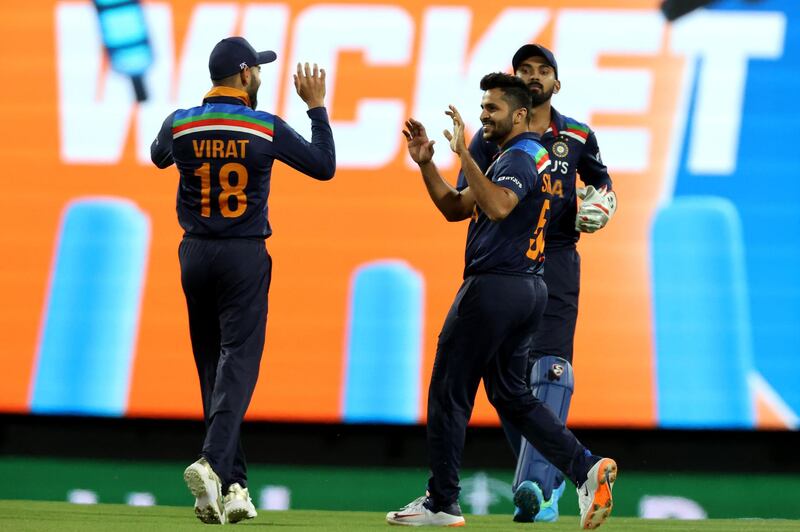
690, 305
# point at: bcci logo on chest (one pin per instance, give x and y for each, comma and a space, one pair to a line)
560, 149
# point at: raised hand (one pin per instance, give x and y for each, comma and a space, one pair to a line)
420, 147
456, 138
310, 84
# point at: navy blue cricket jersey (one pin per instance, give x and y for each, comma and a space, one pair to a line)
572, 147
224, 151
513, 245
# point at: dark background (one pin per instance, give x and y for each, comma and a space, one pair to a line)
388, 445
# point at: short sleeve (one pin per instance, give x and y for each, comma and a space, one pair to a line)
482, 152
516, 171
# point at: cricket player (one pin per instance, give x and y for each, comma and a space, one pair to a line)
488, 332
572, 147
224, 150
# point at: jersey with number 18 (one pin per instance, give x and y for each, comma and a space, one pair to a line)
224, 152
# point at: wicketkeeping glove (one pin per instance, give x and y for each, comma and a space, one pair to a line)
596, 210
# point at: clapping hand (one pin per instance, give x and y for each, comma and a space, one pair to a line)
456, 138
420, 147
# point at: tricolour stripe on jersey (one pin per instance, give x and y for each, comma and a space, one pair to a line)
577, 131
228, 116
260, 126
246, 124
542, 160
222, 127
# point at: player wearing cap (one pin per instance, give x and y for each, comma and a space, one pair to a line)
488, 331
573, 150
224, 151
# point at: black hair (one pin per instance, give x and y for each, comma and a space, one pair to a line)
515, 91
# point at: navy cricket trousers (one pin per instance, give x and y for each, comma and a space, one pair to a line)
487, 335
226, 284
555, 334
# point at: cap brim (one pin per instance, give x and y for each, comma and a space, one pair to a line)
266, 57
529, 50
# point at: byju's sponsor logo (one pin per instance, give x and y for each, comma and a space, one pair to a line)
509, 178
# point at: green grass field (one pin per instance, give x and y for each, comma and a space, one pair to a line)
45, 516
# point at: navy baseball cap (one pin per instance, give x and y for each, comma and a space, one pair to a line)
232, 55
531, 50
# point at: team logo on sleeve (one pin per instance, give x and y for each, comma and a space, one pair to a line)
560, 149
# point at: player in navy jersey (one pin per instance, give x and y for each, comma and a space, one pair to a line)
489, 329
224, 150
573, 150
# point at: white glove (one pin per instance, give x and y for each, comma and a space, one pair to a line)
596, 210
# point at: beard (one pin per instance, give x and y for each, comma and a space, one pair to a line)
541, 96
500, 129
252, 93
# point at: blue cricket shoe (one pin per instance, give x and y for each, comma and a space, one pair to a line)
528, 499
548, 513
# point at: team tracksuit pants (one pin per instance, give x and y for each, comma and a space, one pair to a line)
226, 284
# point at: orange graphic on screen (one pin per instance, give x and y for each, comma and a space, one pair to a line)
374, 209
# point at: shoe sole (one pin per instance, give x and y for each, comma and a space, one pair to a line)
407, 523
394, 522
234, 516
602, 503
528, 502
239, 513
205, 508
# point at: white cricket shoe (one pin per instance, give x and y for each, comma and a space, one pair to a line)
416, 513
594, 496
207, 490
238, 504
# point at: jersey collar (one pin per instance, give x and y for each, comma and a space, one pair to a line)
557, 123
522, 136
227, 95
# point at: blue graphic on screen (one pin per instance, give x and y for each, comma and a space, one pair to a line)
384, 344
703, 341
91, 320
761, 189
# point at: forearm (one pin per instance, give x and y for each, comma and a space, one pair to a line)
322, 141
493, 200
316, 159
597, 179
450, 202
591, 168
